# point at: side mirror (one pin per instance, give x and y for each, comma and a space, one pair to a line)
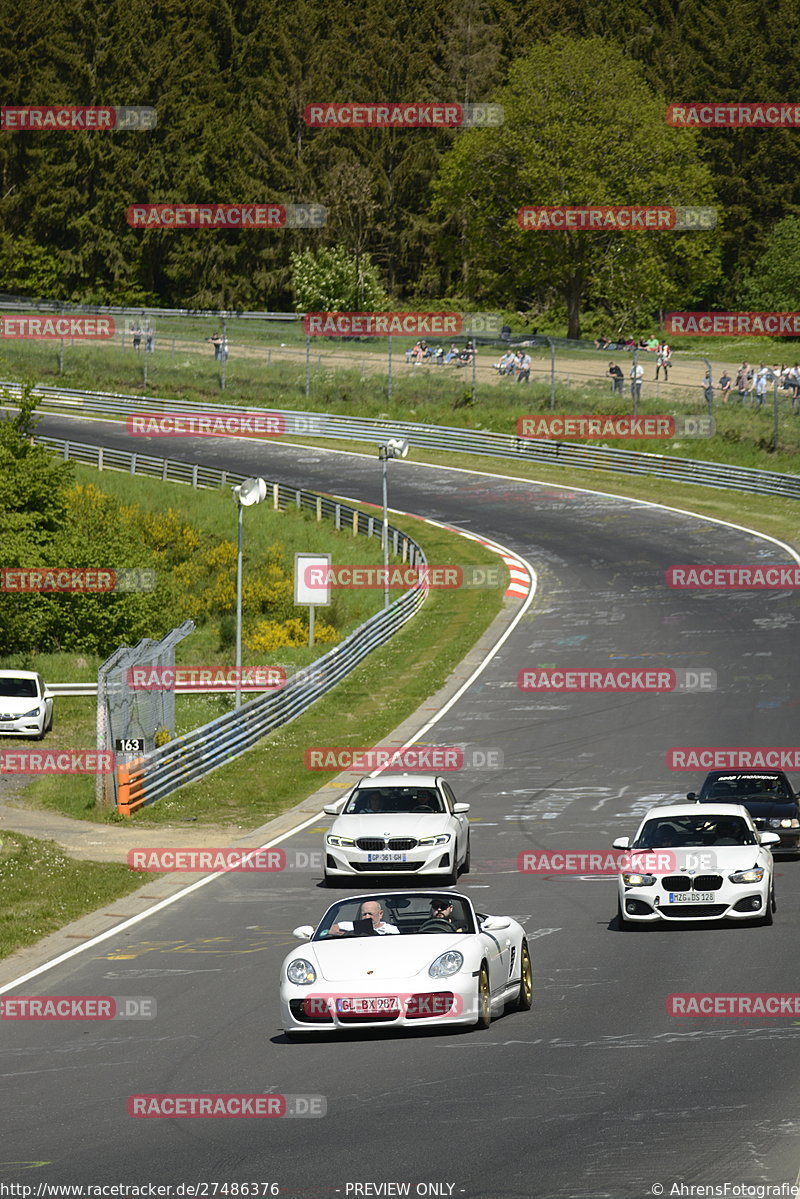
691, 796
768, 838
495, 924
331, 809
622, 843
304, 933
460, 808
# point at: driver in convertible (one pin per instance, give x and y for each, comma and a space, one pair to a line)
370, 910
442, 913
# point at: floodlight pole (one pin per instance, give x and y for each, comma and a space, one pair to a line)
238, 605
383, 454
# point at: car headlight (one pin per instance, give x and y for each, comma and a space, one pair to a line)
342, 842
301, 972
747, 876
446, 964
442, 839
784, 822
33, 712
632, 878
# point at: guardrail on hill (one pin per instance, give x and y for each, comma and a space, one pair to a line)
461, 441
144, 780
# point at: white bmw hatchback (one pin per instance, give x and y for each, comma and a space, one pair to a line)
398, 824
26, 706
695, 862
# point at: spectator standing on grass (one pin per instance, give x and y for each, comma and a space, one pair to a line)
136, 333
762, 376
663, 360
708, 389
744, 377
725, 385
794, 378
223, 349
637, 374
524, 368
149, 337
617, 378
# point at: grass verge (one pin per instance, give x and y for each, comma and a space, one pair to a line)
42, 889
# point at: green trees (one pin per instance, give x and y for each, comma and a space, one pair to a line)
331, 280
773, 284
574, 134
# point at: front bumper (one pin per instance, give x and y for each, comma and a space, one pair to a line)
732, 901
405, 1003
22, 726
431, 859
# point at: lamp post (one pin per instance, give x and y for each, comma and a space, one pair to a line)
252, 491
395, 447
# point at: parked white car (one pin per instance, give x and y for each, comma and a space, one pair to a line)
398, 824
701, 862
26, 706
404, 959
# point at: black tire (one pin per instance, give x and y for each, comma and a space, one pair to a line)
524, 999
465, 867
49, 728
484, 998
625, 924
767, 919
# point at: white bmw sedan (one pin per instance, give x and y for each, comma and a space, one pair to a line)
26, 706
398, 824
404, 959
697, 862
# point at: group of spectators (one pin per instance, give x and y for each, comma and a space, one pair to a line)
515, 363
434, 355
757, 380
145, 331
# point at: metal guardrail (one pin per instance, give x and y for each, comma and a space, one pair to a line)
463, 441
144, 780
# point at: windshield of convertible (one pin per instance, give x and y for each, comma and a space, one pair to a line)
737, 787
387, 801
679, 832
410, 915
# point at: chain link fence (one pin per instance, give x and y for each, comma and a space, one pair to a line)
125, 714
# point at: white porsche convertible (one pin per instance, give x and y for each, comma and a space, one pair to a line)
403, 959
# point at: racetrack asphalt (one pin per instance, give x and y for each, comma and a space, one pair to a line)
596, 1092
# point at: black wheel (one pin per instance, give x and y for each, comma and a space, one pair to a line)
49, 728
451, 877
767, 919
524, 1000
465, 867
484, 999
